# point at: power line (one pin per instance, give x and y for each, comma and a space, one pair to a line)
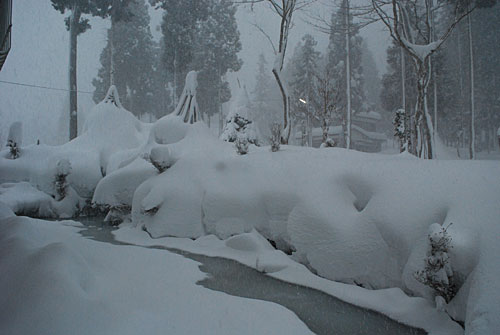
44, 87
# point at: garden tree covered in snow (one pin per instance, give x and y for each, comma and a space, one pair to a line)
344, 58
63, 169
241, 144
411, 25
236, 127
77, 25
216, 44
303, 80
179, 26
187, 108
161, 158
134, 52
15, 139
438, 272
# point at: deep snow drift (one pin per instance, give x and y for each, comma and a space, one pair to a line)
349, 216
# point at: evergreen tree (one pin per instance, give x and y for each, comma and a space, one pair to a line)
179, 26
303, 82
337, 55
134, 63
217, 43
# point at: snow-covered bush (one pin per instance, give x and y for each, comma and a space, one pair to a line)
14, 141
329, 143
63, 169
438, 273
275, 136
235, 125
161, 158
242, 144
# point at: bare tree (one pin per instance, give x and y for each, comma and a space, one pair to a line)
410, 24
284, 9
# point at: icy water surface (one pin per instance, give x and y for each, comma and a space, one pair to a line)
322, 313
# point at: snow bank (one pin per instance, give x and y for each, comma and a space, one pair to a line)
352, 217
56, 282
23, 199
108, 130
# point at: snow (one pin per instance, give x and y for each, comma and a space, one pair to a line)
355, 218
350, 217
108, 130
61, 283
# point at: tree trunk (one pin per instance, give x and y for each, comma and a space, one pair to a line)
286, 108
472, 142
348, 74
73, 103
422, 117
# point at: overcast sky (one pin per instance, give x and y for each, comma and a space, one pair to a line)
40, 51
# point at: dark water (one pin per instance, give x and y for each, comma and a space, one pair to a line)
322, 313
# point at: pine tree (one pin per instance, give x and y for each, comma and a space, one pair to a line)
134, 62
304, 71
217, 43
179, 26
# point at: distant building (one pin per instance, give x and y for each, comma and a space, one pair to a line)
364, 135
5, 29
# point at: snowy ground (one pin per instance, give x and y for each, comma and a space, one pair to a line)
348, 216
53, 281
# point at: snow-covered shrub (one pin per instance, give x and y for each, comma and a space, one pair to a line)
329, 143
161, 158
63, 169
235, 125
438, 273
275, 136
14, 141
241, 144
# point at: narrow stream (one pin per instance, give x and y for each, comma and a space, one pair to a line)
322, 313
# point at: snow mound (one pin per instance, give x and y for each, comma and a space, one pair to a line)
356, 218
24, 199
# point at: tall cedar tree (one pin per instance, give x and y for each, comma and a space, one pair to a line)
217, 43
179, 25
138, 83
303, 82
